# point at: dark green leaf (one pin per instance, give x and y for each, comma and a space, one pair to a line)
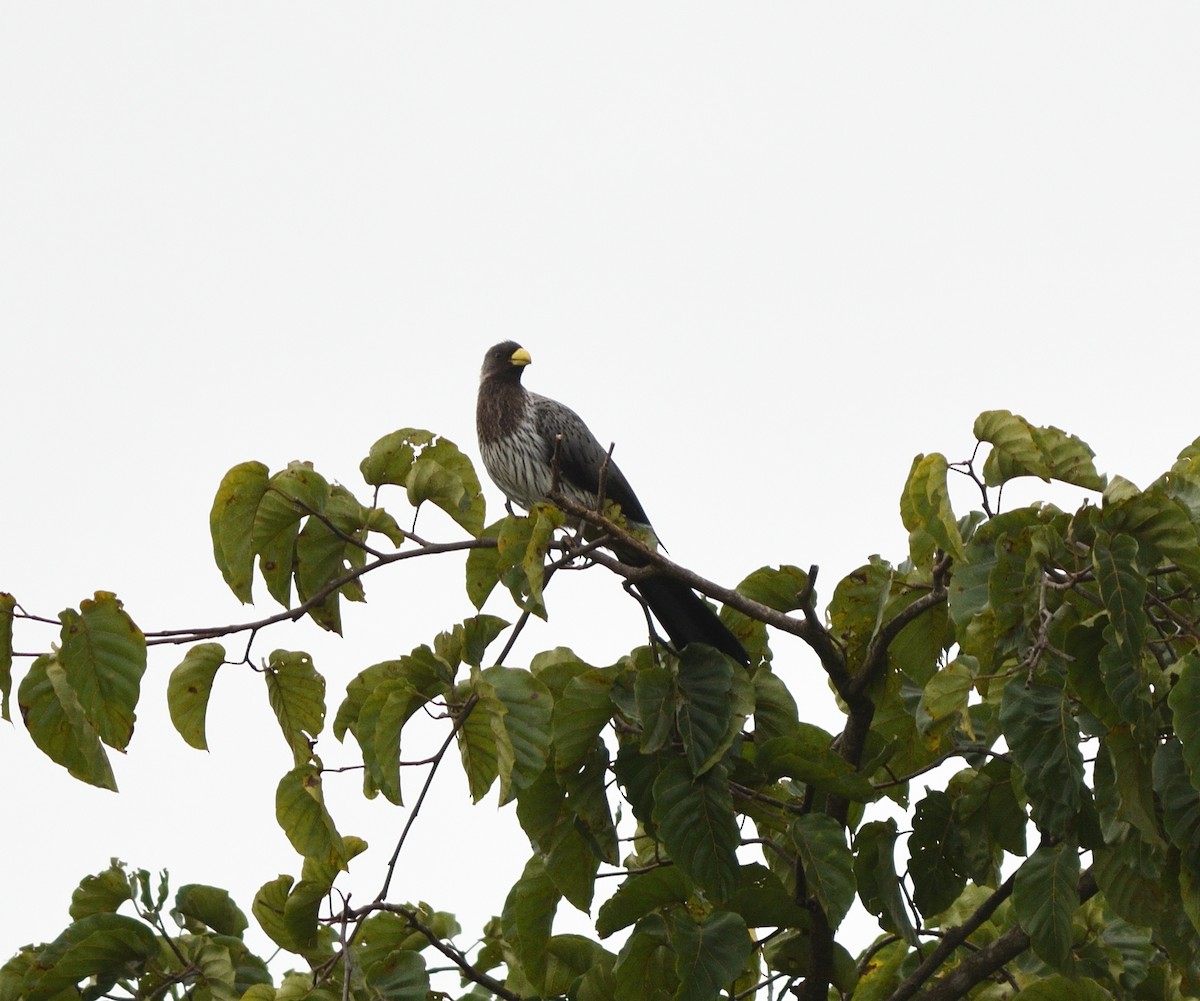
775, 711
580, 715
1015, 451
100, 945
231, 523
1184, 701
300, 810
1045, 898
709, 955
1044, 738
483, 740
640, 894
709, 717
926, 512
935, 855
808, 757
654, 689
8, 605
211, 907
696, 823
878, 883
1123, 589
645, 969
1060, 988
103, 893
58, 726
528, 917
528, 709
188, 691
104, 655
399, 976
297, 695
828, 864
1180, 801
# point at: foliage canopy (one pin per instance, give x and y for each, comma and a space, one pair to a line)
1023, 689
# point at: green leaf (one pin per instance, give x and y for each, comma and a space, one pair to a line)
291, 496
430, 468
188, 691
828, 864
484, 566
300, 810
645, 968
1184, 701
696, 823
101, 946
655, 693
400, 976
8, 605
1123, 589
640, 894
856, 611
935, 855
1044, 738
1180, 801
580, 716
876, 878
1132, 781
104, 655
443, 475
710, 955
268, 907
301, 910
988, 817
1045, 898
808, 756
561, 831
103, 893
1068, 459
775, 711
326, 551
521, 549
1015, 451
388, 706
217, 975
945, 695
707, 716
528, 709
528, 917
297, 695
56, 722
1161, 525
211, 907
778, 588
231, 523
926, 512
1060, 988
483, 741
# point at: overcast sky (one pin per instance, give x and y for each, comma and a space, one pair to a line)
771, 250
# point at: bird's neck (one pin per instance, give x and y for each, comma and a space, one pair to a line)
499, 409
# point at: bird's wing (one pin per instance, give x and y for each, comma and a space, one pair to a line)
581, 457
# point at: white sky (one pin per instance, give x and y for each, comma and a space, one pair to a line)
772, 251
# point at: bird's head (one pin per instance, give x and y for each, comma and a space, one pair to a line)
505, 361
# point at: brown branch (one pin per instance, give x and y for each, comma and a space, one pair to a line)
459, 722
809, 629
451, 953
178, 636
978, 966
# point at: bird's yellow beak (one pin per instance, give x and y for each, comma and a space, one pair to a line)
521, 357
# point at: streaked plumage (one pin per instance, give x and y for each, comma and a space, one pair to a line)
517, 431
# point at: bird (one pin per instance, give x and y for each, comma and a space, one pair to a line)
519, 433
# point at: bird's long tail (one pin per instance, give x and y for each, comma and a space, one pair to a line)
686, 618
